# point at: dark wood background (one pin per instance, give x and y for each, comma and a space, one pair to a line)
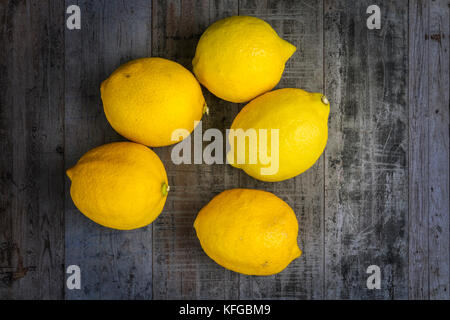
378, 195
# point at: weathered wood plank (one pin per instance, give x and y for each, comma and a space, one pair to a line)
114, 264
366, 206
31, 144
181, 268
418, 159
438, 99
299, 22
429, 150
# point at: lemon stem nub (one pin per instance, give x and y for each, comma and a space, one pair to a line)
69, 173
205, 109
325, 100
165, 188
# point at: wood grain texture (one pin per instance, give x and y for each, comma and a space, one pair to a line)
301, 24
366, 208
114, 264
31, 148
429, 150
438, 135
418, 159
181, 268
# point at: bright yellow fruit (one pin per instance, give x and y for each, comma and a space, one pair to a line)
146, 99
302, 120
240, 57
121, 185
248, 231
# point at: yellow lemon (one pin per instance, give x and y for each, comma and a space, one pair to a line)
121, 185
146, 99
289, 129
240, 57
248, 231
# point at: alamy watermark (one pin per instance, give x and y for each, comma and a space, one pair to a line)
73, 21
374, 280
73, 281
250, 146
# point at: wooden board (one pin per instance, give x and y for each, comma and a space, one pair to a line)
114, 264
366, 170
379, 195
429, 150
181, 269
301, 24
31, 150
